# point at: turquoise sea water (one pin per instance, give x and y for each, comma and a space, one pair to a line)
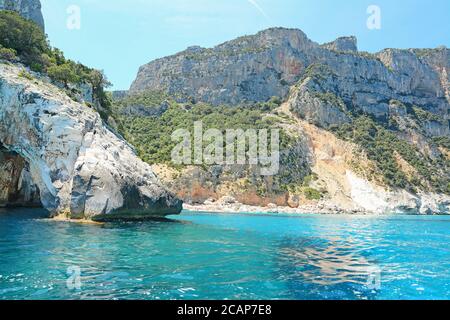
204, 256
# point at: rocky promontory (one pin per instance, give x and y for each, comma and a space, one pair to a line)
62, 148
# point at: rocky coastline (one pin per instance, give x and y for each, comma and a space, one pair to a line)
432, 205
362, 133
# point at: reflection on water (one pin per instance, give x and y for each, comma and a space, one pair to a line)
226, 257
325, 269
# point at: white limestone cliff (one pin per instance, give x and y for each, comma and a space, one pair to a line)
81, 168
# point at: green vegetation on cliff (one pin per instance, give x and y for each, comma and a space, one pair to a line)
443, 142
423, 116
22, 36
151, 135
383, 147
23, 41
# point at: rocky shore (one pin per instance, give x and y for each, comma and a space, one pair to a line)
230, 205
241, 208
62, 148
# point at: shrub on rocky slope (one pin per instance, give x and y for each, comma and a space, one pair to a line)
24, 41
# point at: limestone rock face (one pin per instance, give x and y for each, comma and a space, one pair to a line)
370, 84
343, 44
252, 68
308, 102
81, 168
407, 92
255, 68
29, 9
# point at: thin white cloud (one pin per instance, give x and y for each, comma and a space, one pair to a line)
259, 8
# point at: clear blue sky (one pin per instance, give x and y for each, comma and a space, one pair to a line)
118, 36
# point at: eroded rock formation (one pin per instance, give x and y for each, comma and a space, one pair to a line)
81, 168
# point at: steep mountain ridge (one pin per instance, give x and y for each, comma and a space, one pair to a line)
392, 106
255, 68
251, 68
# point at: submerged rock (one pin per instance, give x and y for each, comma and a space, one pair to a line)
81, 168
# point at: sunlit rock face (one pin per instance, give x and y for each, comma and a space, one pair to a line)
323, 84
255, 68
251, 68
80, 167
30, 9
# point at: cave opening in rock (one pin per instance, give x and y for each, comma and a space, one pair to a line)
17, 188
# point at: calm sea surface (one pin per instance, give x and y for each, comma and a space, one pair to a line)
204, 256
